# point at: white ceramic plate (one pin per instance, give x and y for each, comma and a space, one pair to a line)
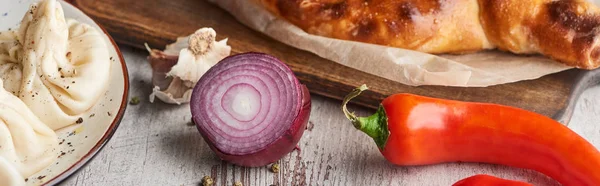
81, 142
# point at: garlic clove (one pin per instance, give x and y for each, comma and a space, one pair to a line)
202, 53
176, 70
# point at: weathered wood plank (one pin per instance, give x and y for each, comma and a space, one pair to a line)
155, 146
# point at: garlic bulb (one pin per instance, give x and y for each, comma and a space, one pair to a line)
177, 69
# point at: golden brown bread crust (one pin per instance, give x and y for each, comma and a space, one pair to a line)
565, 30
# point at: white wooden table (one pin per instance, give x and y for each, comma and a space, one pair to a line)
156, 145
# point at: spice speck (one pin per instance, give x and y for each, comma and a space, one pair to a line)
275, 168
134, 100
79, 121
207, 181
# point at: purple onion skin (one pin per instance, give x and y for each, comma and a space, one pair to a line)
276, 149
161, 64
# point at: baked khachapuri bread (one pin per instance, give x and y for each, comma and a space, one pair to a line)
564, 30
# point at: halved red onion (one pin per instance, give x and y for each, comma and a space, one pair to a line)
250, 109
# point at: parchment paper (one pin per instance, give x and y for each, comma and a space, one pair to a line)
404, 66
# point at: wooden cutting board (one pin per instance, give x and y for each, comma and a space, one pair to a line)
160, 22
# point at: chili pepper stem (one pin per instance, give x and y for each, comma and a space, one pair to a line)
375, 126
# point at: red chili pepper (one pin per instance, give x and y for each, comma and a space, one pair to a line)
487, 180
416, 130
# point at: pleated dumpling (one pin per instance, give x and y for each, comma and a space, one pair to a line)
9, 175
65, 65
10, 66
26, 144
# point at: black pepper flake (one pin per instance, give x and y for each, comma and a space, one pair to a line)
62, 76
40, 177
59, 69
92, 115
109, 114
79, 121
85, 136
61, 142
67, 87
111, 58
26, 179
73, 82
61, 154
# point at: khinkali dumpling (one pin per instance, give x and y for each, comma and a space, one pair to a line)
26, 144
9, 175
65, 65
10, 67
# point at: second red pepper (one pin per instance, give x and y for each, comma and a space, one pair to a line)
487, 180
416, 130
